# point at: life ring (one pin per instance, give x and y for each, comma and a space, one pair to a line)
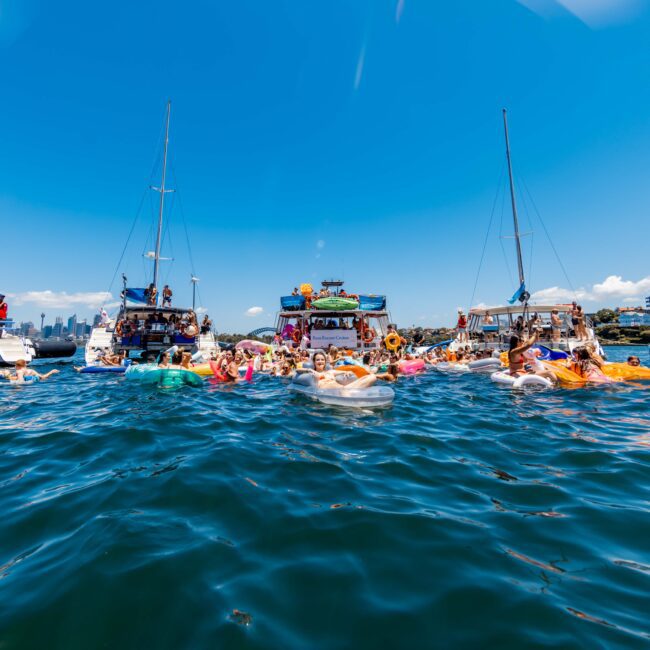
393, 341
369, 335
296, 335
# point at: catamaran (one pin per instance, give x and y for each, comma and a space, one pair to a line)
144, 326
491, 327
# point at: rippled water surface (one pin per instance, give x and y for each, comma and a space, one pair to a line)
467, 515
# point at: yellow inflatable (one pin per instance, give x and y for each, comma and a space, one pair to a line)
202, 369
306, 289
565, 376
392, 341
623, 371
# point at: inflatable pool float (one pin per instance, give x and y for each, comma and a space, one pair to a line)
244, 371
374, 396
411, 366
447, 366
521, 381
257, 347
565, 375
151, 374
359, 371
335, 304
102, 369
30, 380
625, 371
201, 369
485, 365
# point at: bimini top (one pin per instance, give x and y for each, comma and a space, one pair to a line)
518, 309
152, 309
363, 303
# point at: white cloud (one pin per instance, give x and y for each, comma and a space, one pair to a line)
594, 13
612, 289
201, 310
320, 244
615, 287
254, 311
557, 295
62, 299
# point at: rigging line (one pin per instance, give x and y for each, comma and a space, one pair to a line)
149, 236
531, 232
135, 221
182, 211
548, 236
487, 234
503, 250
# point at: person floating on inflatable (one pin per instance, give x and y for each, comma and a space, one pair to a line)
25, 375
336, 379
520, 364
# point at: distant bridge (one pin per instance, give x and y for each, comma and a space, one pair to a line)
261, 331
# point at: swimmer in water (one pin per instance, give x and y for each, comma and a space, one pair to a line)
24, 374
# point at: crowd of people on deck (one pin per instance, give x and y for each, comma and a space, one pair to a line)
524, 327
186, 324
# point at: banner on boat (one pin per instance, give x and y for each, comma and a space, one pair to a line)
339, 338
136, 295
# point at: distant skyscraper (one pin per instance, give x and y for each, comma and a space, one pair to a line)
26, 327
72, 324
42, 321
97, 320
57, 330
47, 331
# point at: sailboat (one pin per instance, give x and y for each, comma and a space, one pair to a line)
144, 327
491, 327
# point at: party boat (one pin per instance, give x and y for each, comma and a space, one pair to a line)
144, 327
331, 316
492, 327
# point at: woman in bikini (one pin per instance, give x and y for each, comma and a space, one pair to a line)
331, 379
519, 364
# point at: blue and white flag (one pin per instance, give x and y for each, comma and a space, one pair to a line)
517, 293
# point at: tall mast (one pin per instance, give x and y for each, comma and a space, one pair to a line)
161, 189
520, 263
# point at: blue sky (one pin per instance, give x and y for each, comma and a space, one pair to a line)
360, 140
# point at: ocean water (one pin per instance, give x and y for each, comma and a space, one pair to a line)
466, 516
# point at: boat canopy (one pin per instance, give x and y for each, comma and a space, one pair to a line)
152, 309
518, 309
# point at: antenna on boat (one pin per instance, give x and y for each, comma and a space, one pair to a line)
523, 297
194, 281
162, 191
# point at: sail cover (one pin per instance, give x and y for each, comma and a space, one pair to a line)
518, 295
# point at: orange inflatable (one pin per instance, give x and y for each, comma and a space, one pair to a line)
624, 371
565, 376
357, 370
